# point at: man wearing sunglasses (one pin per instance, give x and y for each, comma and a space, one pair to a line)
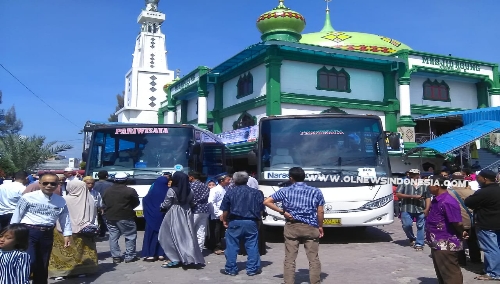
39, 211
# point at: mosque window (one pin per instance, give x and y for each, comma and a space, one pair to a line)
245, 85
245, 120
436, 91
333, 80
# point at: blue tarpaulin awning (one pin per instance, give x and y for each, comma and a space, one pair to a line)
459, 138
468, 116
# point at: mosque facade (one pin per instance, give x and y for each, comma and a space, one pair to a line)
330, 71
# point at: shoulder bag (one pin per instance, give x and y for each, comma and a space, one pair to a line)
465, 207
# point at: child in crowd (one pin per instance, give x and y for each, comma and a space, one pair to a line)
211, 184
14, 260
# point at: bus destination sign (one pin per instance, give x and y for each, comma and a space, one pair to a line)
141, 130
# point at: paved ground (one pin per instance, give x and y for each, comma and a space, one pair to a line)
378, 255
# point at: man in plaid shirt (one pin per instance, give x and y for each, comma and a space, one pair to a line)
415, 203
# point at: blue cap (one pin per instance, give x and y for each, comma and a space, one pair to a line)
222, 176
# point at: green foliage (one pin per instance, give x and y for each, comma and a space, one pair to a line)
120, 104
82, 165
9, 124
26, 153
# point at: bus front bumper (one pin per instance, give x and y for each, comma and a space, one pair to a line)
376, 217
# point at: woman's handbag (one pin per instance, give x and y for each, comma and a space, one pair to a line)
90, 230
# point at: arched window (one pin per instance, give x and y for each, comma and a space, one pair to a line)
245, 120
245, 85
334, 110
333, 80
436, 91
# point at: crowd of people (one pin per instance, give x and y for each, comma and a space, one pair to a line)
452, 219
49, 228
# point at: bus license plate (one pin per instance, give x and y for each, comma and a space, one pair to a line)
139, 213
333, 222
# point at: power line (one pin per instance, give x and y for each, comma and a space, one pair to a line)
13, 76
72, 140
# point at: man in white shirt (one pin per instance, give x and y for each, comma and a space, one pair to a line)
216, 227
252, 182
39, 211
10, 193
69, 176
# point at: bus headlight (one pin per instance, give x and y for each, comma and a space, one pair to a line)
379, 203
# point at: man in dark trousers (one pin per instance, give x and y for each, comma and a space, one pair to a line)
486, 205
119, 203
39, 211
242, 208
100, 186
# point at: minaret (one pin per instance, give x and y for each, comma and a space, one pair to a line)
144, 81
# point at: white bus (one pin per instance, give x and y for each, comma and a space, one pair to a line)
336, 147
145, 151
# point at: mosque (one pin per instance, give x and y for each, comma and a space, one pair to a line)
330, 71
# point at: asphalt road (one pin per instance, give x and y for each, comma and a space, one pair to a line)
376, 255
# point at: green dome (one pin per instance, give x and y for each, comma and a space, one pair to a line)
363, 42
281, 23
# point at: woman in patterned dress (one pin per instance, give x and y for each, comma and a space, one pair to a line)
81, 257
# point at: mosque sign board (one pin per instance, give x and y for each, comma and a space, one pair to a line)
449, 64
185, 83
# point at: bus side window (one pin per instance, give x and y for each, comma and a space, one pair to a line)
194, 158
213, 163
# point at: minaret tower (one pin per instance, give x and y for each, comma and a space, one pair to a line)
144, 81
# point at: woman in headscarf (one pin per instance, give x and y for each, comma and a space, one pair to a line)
151, 249
81, 257
177, 234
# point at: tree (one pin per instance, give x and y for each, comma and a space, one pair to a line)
120, 104
9, 124
26, 153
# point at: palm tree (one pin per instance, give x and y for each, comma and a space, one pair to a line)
26, 153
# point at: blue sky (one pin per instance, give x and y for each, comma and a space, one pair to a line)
74, 54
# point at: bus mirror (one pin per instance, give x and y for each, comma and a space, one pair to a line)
394, 141
252, 158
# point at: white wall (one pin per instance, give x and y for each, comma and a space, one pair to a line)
165, 117
418, 60
301, 78
462, 94
227, 122
138, 116
144, 91
293, 109
230, 89
192, 108
381, 114
211, 98
178, 114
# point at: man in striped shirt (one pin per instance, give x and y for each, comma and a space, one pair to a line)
303, 210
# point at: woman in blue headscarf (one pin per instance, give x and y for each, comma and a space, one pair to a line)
151, 248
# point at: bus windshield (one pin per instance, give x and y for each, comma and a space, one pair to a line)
322, 145
129, 149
